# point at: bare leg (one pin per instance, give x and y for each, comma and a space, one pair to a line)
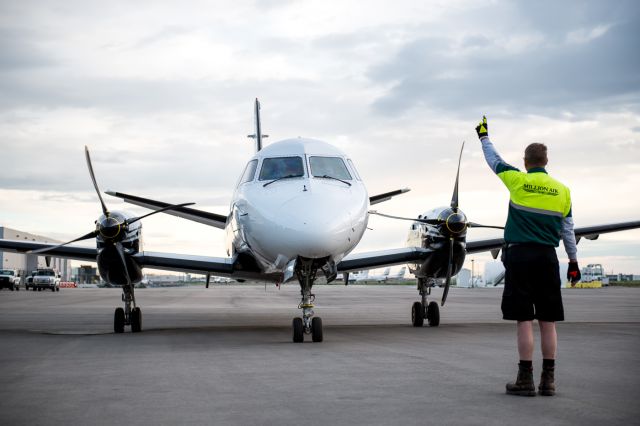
548, 339
525, 340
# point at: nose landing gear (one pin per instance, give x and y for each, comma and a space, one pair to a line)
308, 324
130, 315
423, 310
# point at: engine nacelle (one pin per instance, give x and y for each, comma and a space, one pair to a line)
112, 229
433, 231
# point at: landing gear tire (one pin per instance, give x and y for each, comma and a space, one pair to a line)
433, 314
118, 321
316, 329
417, 314
136, 320
298, 330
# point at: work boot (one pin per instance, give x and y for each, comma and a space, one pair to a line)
524, 385
547, 385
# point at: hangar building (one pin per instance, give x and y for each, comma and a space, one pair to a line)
28, 262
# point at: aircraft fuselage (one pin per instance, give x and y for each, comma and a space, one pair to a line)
297, 198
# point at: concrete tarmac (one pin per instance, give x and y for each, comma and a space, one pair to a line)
224, 356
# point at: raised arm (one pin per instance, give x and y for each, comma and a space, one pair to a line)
492, 157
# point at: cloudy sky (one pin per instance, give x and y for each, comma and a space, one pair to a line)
162, 93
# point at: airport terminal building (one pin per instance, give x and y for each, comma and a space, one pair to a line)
25, 263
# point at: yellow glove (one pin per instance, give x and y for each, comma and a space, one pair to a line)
483, 128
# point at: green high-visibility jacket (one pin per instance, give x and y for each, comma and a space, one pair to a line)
539, 205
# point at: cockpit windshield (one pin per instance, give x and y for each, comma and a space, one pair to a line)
281, 167
332, 167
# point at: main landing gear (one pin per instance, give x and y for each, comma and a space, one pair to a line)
308, 324
421, 310
130, 315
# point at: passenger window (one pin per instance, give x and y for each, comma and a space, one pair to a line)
329, 166
281, 167
353, 168
249, 172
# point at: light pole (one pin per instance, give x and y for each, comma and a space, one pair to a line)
472, 271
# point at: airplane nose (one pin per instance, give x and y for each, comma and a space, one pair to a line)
302, 227
319, 232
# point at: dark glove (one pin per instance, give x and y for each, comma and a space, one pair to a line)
482, 129
573, 273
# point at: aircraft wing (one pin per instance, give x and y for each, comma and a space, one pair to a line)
219, 266
185, 263
167, 261
67, 252
377, 259
375, 199
588, 232
211, 219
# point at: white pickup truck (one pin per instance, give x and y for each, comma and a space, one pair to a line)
9, 279
44, 278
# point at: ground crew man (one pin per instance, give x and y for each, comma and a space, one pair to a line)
539, 216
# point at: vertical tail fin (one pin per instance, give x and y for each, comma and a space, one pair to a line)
257, 136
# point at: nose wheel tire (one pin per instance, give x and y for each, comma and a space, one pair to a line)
118, 321
298, 330
316, 329
433, 314
136, 320
417, 314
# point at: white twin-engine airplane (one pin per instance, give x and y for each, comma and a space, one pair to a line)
299, 209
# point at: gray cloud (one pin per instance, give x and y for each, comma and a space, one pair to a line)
164, 34
551, 75
20, 51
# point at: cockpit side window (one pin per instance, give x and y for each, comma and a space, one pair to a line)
353, 169
329, 166
280, 167
249, 172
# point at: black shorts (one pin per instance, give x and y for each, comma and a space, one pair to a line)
532, 284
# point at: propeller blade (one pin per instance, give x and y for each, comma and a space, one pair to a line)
174, 206
447, 282
427, 221
91, 234
123, 259
454, 198
93, 178
477, 225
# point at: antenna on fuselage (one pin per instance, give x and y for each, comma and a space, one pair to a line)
258, 134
